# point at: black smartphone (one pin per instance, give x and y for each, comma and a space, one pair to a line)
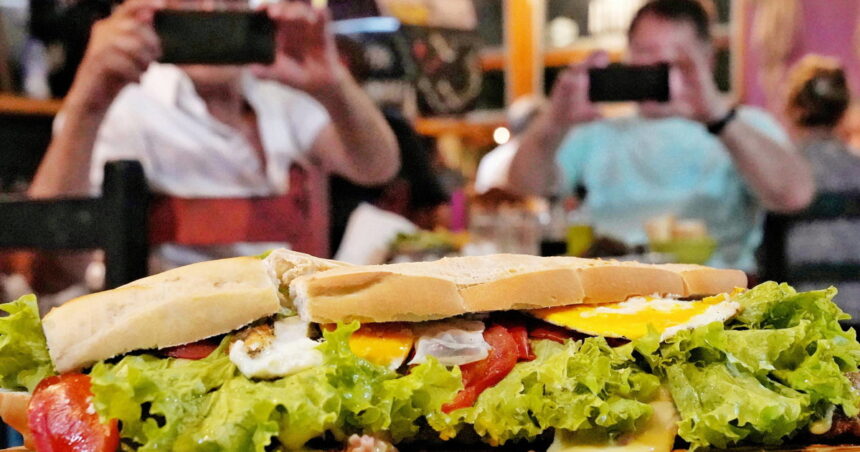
623, 83
215, 37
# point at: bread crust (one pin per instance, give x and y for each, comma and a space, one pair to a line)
700, 280
454, 286
396, 297
176, 307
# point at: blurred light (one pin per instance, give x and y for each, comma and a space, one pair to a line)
501, 135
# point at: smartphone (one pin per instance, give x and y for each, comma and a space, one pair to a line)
623, 83
215, 37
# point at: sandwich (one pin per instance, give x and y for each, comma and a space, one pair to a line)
291, 352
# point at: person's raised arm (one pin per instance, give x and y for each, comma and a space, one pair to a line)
533, 169
358, 144
121, 47
779, 176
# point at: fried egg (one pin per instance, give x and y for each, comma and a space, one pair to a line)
266, 352
631, 319
386, 344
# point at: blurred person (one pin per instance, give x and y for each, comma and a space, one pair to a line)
849, 128
818, 97
216, 131
817, 101
696, 156
415, 193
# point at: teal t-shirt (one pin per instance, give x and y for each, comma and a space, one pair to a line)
636, 168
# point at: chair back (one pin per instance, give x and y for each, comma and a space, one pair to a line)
116, 222
777, 264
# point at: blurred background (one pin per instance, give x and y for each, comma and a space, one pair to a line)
462, 78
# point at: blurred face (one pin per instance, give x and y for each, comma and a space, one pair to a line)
657, 40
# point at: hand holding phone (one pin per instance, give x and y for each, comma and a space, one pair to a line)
623, 83
215, 37
569, 104
306, 56
120, 49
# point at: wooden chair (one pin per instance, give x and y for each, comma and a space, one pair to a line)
775, 260
116, 222
775, 263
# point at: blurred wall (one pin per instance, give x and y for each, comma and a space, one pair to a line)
776, 33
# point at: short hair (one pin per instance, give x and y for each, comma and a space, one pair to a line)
818, 93
689, 11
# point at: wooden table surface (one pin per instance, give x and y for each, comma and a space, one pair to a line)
17, 105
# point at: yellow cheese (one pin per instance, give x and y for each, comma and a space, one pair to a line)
384, 344
631, 319
656, 435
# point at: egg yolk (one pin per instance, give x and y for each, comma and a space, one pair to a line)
384, 344
628, 319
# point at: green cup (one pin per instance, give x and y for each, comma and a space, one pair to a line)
687, 251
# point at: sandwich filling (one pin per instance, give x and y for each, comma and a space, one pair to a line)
632, 318
752, 367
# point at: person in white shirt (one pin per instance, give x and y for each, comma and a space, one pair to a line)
214, 131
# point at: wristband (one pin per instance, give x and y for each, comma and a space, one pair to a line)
716, 127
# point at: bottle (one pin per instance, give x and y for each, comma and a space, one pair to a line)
580, 234
554, 224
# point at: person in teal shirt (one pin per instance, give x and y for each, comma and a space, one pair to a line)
695, 156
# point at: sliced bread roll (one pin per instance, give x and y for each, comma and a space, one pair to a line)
435, 290
176, 307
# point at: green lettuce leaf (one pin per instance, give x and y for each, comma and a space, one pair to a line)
155, 398
578, 386
207, 405
24, 358
777, 367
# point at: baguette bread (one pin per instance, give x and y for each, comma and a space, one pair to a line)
699, 280
454, 286
176, 307
202, 300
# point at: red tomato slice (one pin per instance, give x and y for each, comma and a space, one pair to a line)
521, 336
480, 375
194, 350
62, 419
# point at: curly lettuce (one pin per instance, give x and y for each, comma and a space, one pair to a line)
24, 358
773, 370
182, 405
578, 386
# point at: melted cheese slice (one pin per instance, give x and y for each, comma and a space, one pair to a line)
656, 435
631, 319
384, 344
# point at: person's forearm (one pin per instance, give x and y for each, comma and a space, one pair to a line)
780, 178
65, 169
370, 149
533, 169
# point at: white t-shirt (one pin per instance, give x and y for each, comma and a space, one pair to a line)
493, 168
163, 123
186, 152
